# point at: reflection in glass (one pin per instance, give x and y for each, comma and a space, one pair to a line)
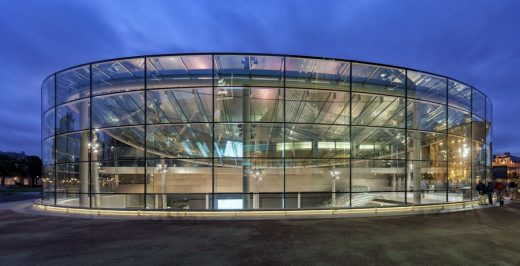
236, 131
118, 76
426, 116
459, 122
375, 110
164, 72
317, 73
73, 116
459, 95
378, 79
317, 106
248, 104
179, 105
426, 87
112, 144
118, 109
247, 70
73, 84
179, 141
48, 93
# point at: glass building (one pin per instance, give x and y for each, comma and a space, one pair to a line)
259, 131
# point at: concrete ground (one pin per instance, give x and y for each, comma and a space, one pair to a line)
480, 237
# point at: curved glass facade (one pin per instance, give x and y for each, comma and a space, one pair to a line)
258, 131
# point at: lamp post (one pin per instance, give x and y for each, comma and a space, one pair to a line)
335, 176
162, 168
257, 176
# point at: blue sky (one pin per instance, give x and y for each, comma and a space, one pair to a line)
474, 41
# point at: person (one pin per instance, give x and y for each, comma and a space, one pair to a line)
490, 188
500, 187
513, 190
481, 189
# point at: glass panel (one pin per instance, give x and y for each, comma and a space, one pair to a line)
72, 200
117, 201
317, 73
479, 153
459, 122
179, 105
318, 183
259, 182
48, 93
48, 198
118, 109
248, 104
315, 141
426, 87
248, 140
73, 84
487, 151
373, 199
118, 76
317, 106
378, 143
48, 178
489, 110
113, 144
73, 178
115, 177
426, 182
179, 71
179, 141
378, 79
72, 147
478, 128
377, 110
178, 176
378, 175
48, 151
73, 116
459, 150
426, 146
48, 123
479, 104
248, 70
459, 95
426, 116
459, 182
459, 168
179, 201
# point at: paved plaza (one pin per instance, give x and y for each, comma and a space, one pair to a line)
487, 236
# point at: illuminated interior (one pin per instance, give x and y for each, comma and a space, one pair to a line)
256, 131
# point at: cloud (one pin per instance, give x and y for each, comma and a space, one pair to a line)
473, 41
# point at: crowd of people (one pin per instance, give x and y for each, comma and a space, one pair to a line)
497, 188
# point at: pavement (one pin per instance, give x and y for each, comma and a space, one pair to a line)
18, 196
487, 236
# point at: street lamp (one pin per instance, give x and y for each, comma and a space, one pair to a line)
257, 176
162, 168
334, 173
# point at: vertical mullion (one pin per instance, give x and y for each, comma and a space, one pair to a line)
447, 142
283, 124
55, 144
145, 81
213, 131
90, 138
470, 147
406, 159
350, 135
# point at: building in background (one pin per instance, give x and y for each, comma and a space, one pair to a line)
506, 166
258, 131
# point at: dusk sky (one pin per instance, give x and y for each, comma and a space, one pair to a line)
477, 42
